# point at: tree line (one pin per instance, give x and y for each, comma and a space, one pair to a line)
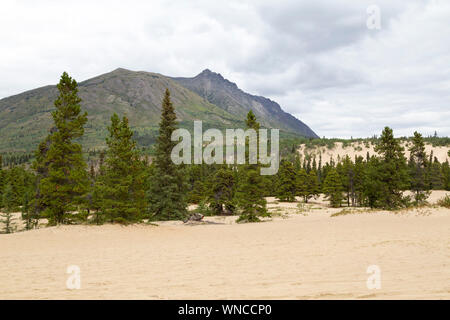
125, 187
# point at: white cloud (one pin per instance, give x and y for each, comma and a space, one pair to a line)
317, 59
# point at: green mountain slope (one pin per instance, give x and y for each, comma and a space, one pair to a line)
25, 118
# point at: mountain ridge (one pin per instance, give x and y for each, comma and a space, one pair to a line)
227, 95
25, 118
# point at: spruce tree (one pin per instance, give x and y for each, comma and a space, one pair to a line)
65, 181
302, 184
119, 191
418, 167
313, 186
446, 175
221, 194
393, 176
26, 212
198, 192
287, 182
436, 176
167, 195
346, 171
332, 188
8, 207
251, 190
359, 176
2, 181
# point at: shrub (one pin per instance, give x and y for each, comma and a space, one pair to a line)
445, 202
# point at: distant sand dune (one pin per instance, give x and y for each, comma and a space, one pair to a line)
359, 149
304, 254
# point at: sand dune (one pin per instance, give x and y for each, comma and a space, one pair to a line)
359, 149
300, 254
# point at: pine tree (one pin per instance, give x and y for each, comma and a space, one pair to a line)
332, 188
302, 184
198, 192
251, 189
436, 177
393, 176
418, 169
167, 196
8, 205
120, 188
446, 175
287, 182
221, 195
313, 186
65, 179
2, 181
360, 172
346, 171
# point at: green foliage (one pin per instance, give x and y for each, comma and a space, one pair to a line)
167, 195
332, 188
287, 182
436, 177
2, 182
392, 175
446, 175
418, 169
251, 189
250, 195
222, 191
119, 191
8, 204
445, 202
63, 177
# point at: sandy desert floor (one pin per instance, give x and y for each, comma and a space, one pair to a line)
302, 253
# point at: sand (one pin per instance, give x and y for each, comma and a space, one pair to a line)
359, 149
301, 253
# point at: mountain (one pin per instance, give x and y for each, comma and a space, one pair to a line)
226, 94
25, 119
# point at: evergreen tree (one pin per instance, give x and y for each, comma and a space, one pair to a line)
302, 184
251, 189
393, 176
418, 168
221, 195
332, 188
359, 176
198, 192
287, 182
372, 183
120, 189
436, 177
8, 205
26, 212
2, 181
250, 196
446, 175
313, 186
66, 180
346, 170
167, 196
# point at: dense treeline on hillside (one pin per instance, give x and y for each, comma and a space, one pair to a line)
124, 186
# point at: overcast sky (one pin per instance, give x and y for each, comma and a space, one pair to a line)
317, 59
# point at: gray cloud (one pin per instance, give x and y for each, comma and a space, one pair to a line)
317, 59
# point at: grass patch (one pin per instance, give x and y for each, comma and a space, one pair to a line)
444, 202
347, 211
